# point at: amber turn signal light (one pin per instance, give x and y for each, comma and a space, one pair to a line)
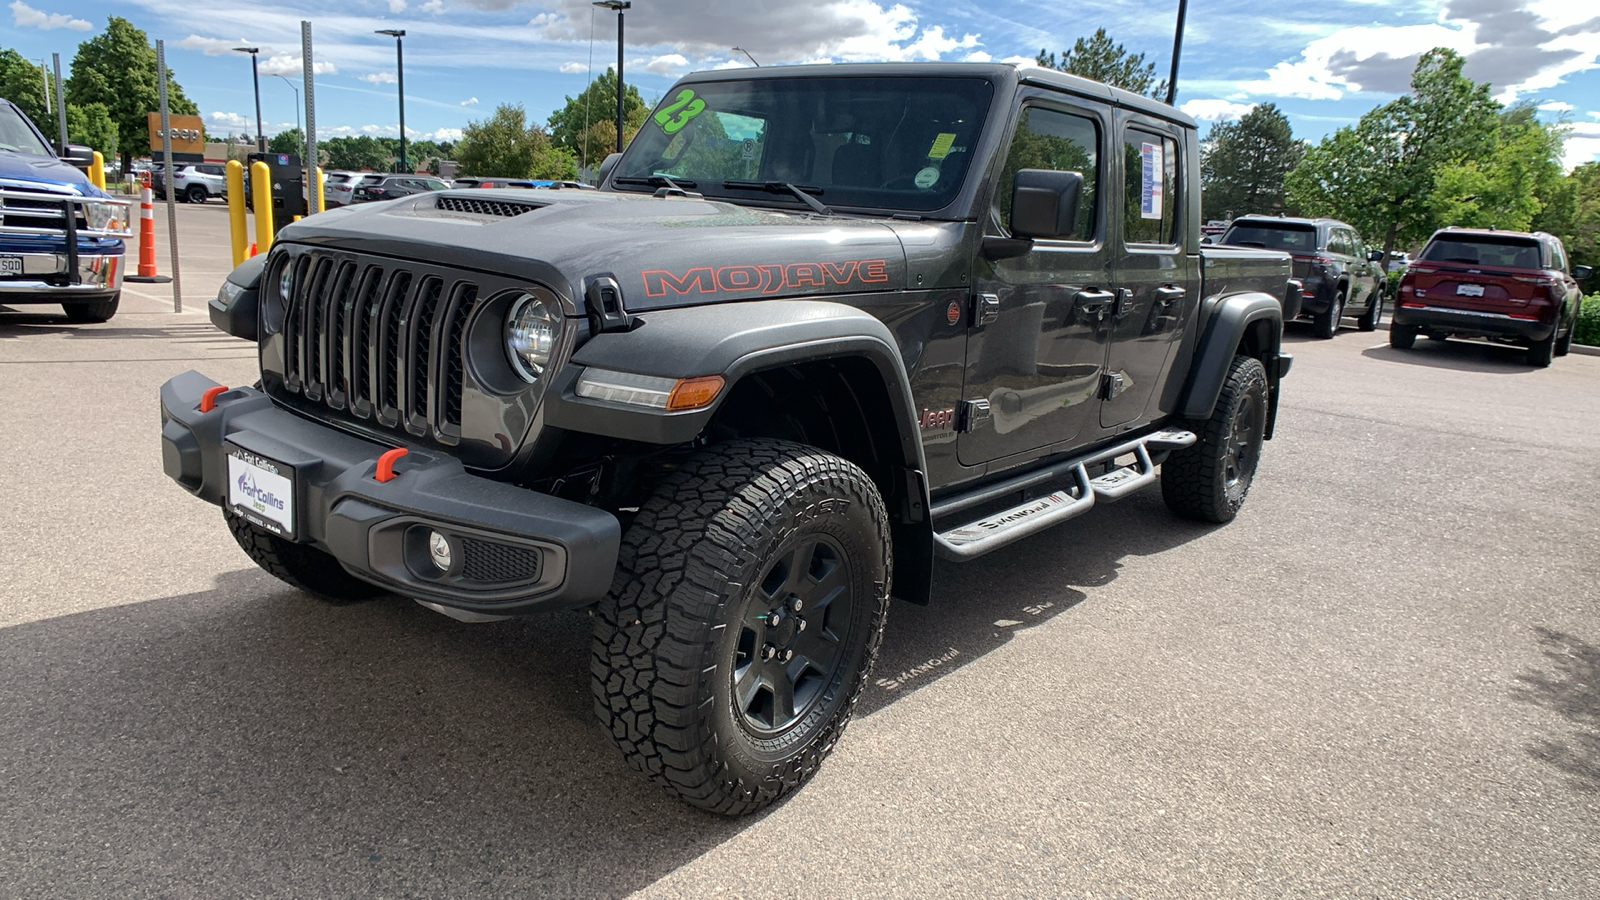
694, 393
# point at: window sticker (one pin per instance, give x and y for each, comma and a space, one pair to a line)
1150, 181
684, 107
927, 178
941, 146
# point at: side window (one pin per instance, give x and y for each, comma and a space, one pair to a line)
1060, 142
1339, 242
1558, 256
1149, 189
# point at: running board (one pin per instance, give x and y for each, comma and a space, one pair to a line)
974, 539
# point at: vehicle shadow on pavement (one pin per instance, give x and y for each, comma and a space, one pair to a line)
1462, 356
979, 606
18, 324
1570, 688
251, 740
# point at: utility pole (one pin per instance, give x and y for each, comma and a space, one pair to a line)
1177, 49
619, 6
255, 78
400, 76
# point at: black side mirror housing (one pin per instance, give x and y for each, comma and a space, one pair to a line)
1044, 203
78, 156
606, 166
1375, 256
1582, 273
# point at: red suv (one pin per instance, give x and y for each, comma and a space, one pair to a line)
1508, 286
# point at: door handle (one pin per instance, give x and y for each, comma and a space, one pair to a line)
1094, 301
1170, 293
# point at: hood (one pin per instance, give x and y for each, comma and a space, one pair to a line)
663, 252
46, 169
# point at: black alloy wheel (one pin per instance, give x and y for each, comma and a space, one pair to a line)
196, 193
1210, 479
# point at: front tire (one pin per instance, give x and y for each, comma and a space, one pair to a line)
298, 565
1209, 479
196, 193
747, 610
1369, 319
1564, 343
93, 310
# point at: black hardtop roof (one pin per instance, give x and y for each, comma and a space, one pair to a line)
1000, 73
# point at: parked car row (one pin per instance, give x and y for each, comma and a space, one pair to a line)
1507, 286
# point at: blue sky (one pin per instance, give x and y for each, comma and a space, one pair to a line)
1323, 63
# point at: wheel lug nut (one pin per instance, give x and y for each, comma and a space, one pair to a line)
773, 618
799, 624
768, 651
797, 604
785, 656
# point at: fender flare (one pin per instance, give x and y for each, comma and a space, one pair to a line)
1231, 319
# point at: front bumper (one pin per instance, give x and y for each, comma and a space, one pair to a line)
45, 278
378, 530
1471, 323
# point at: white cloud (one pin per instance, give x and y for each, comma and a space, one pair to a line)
1357, 59
978, 56
397, 6
1583, 144
231, 120
432, 6
1215, 110
213, 46
288, 64
1557, 106
27, 17
473, 101
379, 78
670, 64
573, 68
438, 134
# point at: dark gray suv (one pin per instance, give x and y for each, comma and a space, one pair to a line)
1340, 275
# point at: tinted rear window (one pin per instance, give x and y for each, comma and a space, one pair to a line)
1485, 250
1289, 237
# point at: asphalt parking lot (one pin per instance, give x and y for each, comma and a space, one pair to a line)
1382, 680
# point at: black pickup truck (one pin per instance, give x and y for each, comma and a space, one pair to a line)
820, 326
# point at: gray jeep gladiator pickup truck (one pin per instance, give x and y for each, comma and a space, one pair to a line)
820, 326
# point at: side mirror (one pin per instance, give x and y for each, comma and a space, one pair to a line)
78, 156
1044, 203
606, 167
1375, 256
1582, 273
1207, 240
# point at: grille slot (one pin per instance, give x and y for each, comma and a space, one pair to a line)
383, 342
489, 562
485, 207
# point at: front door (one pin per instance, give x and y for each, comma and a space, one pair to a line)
1038, 345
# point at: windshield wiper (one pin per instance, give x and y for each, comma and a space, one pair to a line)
678, 184
784, 187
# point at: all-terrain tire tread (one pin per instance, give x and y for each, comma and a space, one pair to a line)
298, 565
1192, 478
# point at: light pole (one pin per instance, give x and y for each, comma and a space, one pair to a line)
1177, 48
296, 116
400, 75
747, 54
255, 78
619, 6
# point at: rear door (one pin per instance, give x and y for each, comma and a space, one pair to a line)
1151, 275
1036, 356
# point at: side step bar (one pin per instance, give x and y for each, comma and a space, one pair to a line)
974, 539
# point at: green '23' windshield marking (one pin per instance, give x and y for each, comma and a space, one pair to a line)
684, 107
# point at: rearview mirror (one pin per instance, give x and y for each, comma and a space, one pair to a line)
606, 167
1044, 203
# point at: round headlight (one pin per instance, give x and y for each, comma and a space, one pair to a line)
286, 280
530, 336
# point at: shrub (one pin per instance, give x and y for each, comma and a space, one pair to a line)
1587, 328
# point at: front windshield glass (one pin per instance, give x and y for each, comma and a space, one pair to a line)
896, 143
16, 135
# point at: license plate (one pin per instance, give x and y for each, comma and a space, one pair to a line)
1469, 290
10, 265
262, 490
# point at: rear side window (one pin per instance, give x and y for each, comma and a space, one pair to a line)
1507, 252
1060, 142
1289, 237
1150, 178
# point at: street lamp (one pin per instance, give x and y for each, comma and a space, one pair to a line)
619, 6
747, 54
400, 74
296, 114
255, 77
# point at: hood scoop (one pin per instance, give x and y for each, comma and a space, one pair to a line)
484, 206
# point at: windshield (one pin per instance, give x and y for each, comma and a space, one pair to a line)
897, 143
1292, 238
16, 135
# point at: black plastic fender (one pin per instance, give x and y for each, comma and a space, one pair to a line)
235, 311
737, 339
1226, 328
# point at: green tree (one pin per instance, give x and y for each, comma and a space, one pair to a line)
291, 141
1381, 174
1243, 164
1508, 186
1574, 216
90, 124
506, 145
358, 152
1099, 59
587, 125
117, 69
22, 83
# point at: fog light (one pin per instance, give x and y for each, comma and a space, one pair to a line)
439, 550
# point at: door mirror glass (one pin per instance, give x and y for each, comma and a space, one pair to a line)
1044, 203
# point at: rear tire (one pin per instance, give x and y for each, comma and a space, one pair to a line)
298, 565
1540, 353
93, 310
1327, 324
1402, 337
196, 193
705, 674
1209, 479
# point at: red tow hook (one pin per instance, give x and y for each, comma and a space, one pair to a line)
386, 464
208, 400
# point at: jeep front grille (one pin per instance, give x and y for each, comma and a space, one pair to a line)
379, 342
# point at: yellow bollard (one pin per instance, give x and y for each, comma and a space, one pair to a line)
261, 196
322, 192
97, 171
236, 224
